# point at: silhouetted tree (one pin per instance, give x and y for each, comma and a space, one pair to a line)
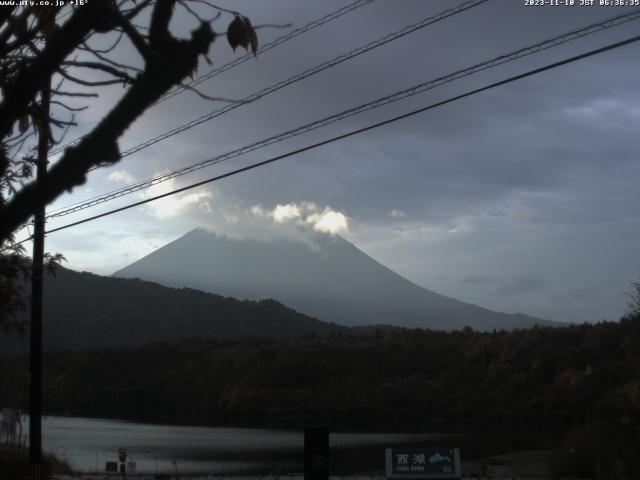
78, 49
634, 302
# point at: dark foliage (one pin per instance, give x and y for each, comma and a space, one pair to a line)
51, 57
39, 44
634, 299
240, 32
567, 374
83, 310
15, 465
14, 271
584, 380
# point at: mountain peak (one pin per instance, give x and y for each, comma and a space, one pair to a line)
320, 275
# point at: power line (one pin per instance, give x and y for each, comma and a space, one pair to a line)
420, 88
310, 72
278, 41
349, 134
229, 65
300, 76
306, 74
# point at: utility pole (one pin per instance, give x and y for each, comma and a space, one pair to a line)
35, 391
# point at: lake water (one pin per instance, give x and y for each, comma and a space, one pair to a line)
88, 443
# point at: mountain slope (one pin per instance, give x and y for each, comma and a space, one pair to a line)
83, 310
327, 277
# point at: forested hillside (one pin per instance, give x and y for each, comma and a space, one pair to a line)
83, 310
562, 374
577, 386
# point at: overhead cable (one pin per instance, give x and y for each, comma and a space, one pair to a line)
237, 61
346, 135
306, 74
400, 95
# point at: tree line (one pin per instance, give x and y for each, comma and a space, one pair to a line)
568, 374
579, 385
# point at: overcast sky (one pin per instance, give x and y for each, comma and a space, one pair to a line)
520, 199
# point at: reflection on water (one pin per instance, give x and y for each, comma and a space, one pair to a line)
88, 443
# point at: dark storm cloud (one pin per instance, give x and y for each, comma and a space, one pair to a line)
422, 144
475, 151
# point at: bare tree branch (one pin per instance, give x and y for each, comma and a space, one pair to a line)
30, 79
159, 35
37, 47
74, 94
87, 83
100, 146
100, 66
67, 107
107, 49
186, 86
111, 62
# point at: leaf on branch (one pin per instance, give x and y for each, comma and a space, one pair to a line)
253, 37
241, 33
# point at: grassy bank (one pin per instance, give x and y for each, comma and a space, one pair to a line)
14, 464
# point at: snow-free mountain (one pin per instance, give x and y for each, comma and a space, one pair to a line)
323, 276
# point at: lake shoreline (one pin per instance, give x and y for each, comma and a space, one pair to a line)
523, 465
87, 445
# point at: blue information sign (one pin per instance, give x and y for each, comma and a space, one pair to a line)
423, 463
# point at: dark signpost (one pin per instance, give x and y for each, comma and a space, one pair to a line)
122, 458
316, 453
413, 463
